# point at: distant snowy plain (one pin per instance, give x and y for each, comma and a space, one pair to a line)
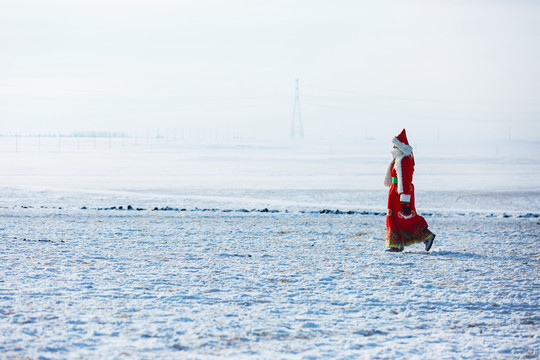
221, 250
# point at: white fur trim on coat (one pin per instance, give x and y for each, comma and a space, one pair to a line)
403, 216
406, 198
407, 149
399, 174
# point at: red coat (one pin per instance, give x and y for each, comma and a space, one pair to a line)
401, 229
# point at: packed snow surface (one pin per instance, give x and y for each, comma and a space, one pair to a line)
263, 253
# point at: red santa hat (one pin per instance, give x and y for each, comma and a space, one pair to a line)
402, 143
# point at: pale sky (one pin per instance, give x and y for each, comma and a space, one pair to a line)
448, 68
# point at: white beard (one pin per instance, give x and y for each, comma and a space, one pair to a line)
396, 153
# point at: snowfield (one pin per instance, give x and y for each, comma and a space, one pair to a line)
230, 254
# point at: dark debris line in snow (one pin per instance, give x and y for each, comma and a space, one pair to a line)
266, 210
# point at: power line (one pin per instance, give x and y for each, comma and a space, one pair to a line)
423, 115
418, 99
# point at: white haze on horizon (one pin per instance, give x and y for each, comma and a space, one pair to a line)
466, 69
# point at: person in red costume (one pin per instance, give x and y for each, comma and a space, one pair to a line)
403, 225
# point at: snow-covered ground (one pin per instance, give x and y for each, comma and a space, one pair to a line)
198, 268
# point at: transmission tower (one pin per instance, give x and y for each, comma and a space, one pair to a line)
297, 129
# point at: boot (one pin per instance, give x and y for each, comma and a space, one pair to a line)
429, 241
